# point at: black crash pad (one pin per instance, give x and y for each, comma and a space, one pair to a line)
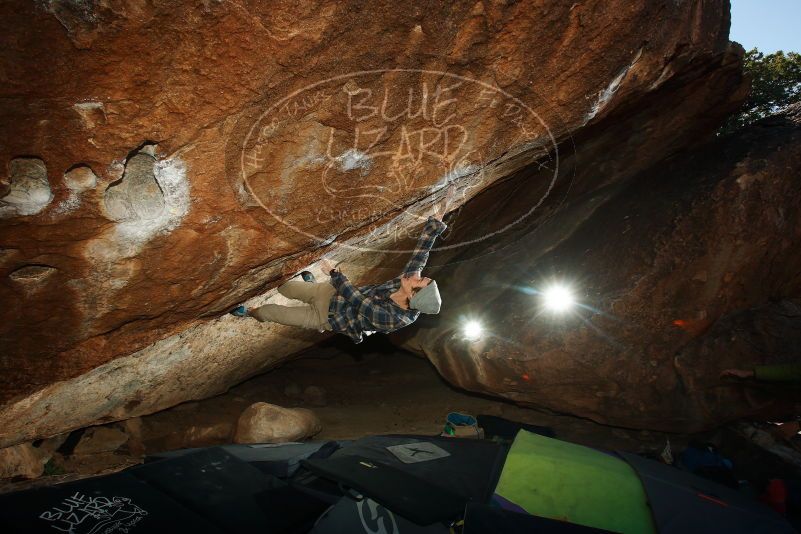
231, 493
482, 518
277, 459
412, 497
470, 470
365, 516
115, 503
683, 503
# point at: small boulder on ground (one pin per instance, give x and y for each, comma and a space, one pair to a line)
267, 423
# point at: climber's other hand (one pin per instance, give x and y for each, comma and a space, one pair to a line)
326, 266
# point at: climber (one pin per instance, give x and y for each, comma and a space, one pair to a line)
341, 307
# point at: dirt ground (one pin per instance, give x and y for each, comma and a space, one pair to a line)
377, 389
373, 388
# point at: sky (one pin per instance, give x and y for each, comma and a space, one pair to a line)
769, 25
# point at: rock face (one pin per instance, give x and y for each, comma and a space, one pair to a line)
101, 439
21, 461
167, 162
688, 268
28, 191
268, 423
28, 460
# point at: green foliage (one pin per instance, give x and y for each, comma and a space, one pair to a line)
776, 82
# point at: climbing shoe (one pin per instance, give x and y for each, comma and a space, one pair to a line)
307, 276
239, 311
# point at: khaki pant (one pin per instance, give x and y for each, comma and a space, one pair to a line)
314, 315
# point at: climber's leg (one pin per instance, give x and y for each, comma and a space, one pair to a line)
302, 316
302, 291
313, 315
324, 292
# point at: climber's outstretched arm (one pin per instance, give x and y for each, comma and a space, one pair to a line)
433, 228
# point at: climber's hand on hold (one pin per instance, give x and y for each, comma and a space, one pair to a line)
326, 266
442, 207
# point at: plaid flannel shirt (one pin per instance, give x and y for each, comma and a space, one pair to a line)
360, 311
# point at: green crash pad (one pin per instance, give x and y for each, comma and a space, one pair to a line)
560, 480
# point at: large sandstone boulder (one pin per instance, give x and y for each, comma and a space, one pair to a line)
689, 268
101, 439
267, 423
21, 461
166, 162
28, 460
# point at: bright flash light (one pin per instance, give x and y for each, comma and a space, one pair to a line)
558, 298
472, 330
